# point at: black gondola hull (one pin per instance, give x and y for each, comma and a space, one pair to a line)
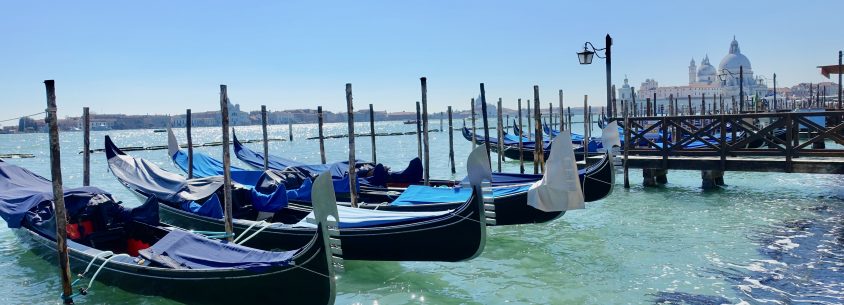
422, 241
293, 284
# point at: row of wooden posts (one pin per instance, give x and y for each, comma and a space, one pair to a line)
714, 105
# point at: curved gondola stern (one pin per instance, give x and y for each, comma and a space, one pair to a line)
480, 177
325, 213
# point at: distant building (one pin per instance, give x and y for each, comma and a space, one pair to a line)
706, 81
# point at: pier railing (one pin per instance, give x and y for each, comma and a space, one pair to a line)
734, 135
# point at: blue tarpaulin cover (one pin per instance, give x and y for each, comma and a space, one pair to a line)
22, 190
418, 194
196, 252
378, 177
365, 218
210, 208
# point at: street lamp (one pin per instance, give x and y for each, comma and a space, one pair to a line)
585, 58
741, 84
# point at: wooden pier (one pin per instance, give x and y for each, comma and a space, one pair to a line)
751, 142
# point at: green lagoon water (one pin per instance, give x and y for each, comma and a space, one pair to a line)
767, 238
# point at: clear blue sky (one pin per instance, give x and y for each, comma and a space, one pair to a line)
162, 57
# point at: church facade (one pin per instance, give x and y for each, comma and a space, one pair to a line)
706, 81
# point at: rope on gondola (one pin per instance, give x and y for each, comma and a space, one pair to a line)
20, 117
84, 291
264, 224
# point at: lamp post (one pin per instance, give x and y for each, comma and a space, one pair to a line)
585, 58
741, 84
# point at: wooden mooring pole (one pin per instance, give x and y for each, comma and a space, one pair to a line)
372, 133
562, 120
321, 137
539, 154
290, 129
86, 155
58, 193
451, 142
419, 130
264, 134
227, 173
626, 145
352, 173
500, 131
188, 126
427, 151
521, 148
529, 126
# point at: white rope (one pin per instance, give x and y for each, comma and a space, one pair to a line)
261, 229
242, 234
101, 268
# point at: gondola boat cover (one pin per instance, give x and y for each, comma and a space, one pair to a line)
207, 166
559, 189
148, 178
184, 250
22, 190
418, 194
378, 176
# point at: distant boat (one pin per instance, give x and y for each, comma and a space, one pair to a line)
159, 130
408, 122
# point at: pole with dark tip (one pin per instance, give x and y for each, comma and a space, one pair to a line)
419, 130
86, 155
264, 133
500, 131
372, 133
585, 128
321, 137
521, 148
840, 71
486, 124
550, 117
539, 154
562, 121
290, 129
227, 173
741, 88
608, 43
188, 127
451, 142
353, 197
427, 149
627, 144
58, 193
775, 93
529, 113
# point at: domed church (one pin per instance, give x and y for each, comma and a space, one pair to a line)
706, 80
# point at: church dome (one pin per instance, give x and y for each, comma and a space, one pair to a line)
706, 72
734, 60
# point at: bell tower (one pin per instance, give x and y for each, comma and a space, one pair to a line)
692, 72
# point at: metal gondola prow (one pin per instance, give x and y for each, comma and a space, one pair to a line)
325, 213
480, 177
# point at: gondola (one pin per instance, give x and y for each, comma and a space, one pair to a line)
509, 192
450, 235
368, 173
130, 249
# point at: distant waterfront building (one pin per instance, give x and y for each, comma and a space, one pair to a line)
706, 80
